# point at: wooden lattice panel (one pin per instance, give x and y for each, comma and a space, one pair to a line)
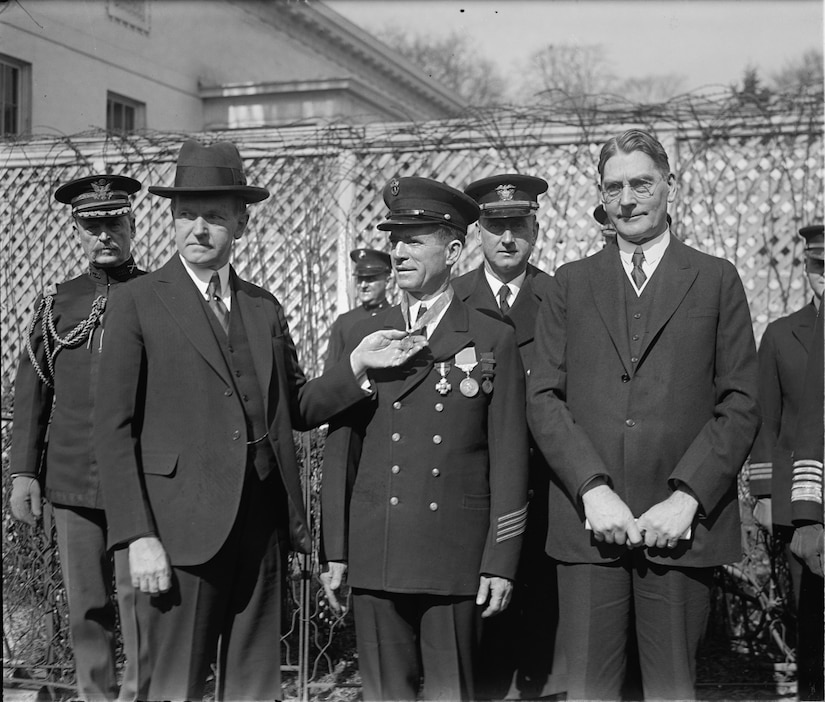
741, 196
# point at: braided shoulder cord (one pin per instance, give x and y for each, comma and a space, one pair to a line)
52, 342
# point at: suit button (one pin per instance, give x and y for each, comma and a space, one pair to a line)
528, 372
625, 378
439, 407
635, 337
630, 422
633, 359
437, 439
237, 374
396, 437
395, 469
433, 506
436, 472
393, 501
530, 494
236, 435
231, 350
637, 316
396, 405
227, 392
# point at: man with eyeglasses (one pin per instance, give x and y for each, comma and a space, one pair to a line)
643, 401
519, 651
372, 272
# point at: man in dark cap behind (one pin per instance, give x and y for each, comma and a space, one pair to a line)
200, 390
424, 489
372, 273
59, 370
519, 656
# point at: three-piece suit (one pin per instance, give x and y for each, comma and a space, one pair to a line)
423, 492
193, 431
520, 654
650, 392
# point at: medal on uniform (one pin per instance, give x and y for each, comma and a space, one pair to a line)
488, 364
466, 360
443, 386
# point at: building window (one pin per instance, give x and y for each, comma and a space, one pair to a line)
15, 96
124, 114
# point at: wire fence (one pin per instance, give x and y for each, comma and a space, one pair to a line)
749, 176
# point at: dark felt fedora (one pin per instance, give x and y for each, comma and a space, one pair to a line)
211, 169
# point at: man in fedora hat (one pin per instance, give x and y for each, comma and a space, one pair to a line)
424, 499
200, 390
53, 394
519, 656
372, 272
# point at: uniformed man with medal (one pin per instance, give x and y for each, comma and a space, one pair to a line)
424, 497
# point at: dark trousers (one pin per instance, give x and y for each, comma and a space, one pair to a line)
226, 611
671, 608
809, 653
87, 575
401, 637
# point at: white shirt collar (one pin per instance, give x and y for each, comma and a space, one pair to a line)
515, 285
416, 304
201, 277
653, 249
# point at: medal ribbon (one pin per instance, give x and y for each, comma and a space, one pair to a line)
432, 312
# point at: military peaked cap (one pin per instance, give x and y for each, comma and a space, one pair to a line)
414, 200
507, 194
98, 195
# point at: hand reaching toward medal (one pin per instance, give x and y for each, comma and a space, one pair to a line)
385, 348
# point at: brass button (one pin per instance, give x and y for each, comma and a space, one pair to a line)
393, 501
633, 359
396, 437
396, 405
528, 372
437, 439
236, 435
637, 316
439, 407
436, 472
395, 469
227, 392
630, 422
625, 378
433, 506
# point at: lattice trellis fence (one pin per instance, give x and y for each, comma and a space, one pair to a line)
747, 181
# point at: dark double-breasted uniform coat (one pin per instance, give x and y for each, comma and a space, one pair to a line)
783, 354
423, 492
340, 330
53, 441
523, 638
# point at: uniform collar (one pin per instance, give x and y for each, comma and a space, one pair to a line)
124, 271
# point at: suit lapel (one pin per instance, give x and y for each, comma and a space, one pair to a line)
607, 285
450, 336
481, 297
179, 295
675, 279
524, 311
802, 329
257, 327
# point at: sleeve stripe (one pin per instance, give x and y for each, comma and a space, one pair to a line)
807, 481
504, 537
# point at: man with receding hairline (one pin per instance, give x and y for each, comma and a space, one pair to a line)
643, 402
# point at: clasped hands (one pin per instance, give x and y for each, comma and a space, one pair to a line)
661, 526
493, 591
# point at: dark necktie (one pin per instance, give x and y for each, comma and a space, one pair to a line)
503, 295
637, 273
216, 304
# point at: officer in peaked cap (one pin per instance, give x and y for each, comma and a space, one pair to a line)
518, 650
60, 366
783, 354
424, 497
372, 271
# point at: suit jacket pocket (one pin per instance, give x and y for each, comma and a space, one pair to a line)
703, 312
476, 501
160, 464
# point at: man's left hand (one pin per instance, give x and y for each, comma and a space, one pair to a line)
666, 522
495, 592
385, 348
807, 546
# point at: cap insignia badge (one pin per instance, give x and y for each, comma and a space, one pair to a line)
395, 186
505, 192
362, 254
103, 189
